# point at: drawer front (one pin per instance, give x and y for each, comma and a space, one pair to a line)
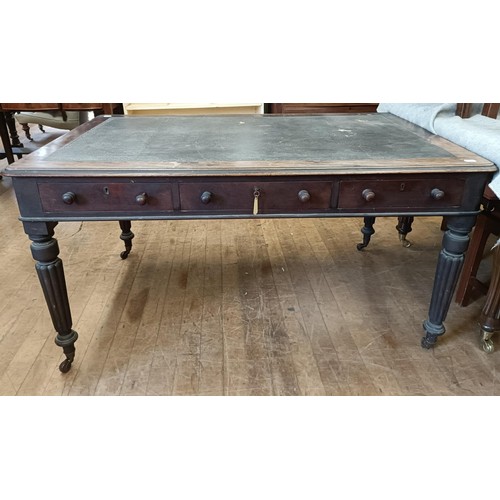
410, 194
273, 197
105, 197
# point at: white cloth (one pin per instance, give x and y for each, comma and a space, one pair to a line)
478, 134
421, 114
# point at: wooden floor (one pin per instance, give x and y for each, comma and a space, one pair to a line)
253, 307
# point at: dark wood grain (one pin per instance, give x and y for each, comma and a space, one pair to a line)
295, 107
107, 108
105, 196
275, 196
406, 194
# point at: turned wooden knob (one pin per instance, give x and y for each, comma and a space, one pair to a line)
437, 194
141, 199
368, 195
205, 197
304, 195
69, 197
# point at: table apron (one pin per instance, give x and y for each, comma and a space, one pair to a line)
138, 198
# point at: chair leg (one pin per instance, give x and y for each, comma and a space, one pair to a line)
4, 135
472, 260
490, 315
26, 129
11, 125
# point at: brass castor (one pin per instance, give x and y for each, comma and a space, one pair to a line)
486, 342
406, 243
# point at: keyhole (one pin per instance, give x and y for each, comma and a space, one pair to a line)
402, 186
106, 190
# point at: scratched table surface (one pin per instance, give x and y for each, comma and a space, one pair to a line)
247, 138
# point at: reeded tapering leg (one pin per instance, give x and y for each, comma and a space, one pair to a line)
404, 227
490, 315
450, 261
367, 231
126, 237
49, 267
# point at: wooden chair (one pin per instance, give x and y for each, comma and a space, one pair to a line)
66, 120
469, 287
488, 222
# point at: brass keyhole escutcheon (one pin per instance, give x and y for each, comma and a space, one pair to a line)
256, 195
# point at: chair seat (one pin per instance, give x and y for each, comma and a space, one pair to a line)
50, 119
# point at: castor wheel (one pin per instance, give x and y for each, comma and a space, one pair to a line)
428, 342
124, 254
65, 366
488, 346
486, 342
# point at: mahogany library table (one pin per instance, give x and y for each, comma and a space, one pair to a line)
127, 168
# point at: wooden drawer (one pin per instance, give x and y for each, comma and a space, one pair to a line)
274, 197
105, 197
408, 194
